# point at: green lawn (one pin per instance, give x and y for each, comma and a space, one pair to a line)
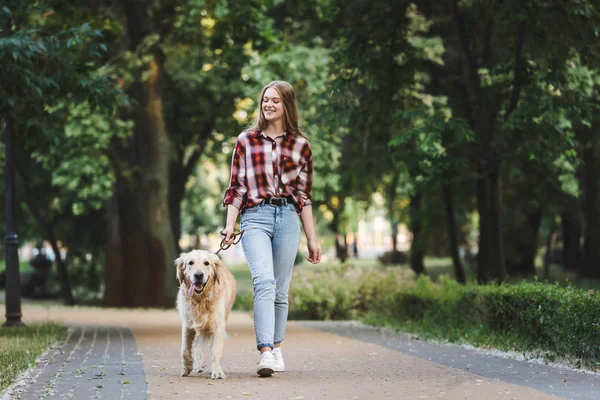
20, 347
24, 266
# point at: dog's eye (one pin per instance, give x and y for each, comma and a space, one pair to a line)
206, 263
191, 263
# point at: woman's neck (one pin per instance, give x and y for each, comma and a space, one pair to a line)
274, 128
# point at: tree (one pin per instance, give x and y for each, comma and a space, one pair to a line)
42, 69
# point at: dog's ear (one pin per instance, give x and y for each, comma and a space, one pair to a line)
179, 263
218, 264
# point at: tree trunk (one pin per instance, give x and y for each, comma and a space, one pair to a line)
490, 259
391, 204
46, 227
497, 264
61, 268
176, 193
145, 252
548, 253
459, 271
524, 241
571, 227
394, 235
417, 251
340, 253
591, 207
484, 244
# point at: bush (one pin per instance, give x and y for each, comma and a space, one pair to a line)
323, 295
244, 301
393, 257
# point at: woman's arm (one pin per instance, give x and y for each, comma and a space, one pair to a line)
314, 247
232, 214
235, 195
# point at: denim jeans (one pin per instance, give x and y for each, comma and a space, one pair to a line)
270, 242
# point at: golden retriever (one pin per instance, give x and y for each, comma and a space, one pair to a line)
206, 295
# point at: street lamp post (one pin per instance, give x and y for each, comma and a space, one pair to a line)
13, 276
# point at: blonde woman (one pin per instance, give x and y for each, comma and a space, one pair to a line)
271, 182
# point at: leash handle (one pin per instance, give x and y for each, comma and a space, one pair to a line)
236, 236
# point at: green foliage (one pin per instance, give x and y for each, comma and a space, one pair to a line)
202, 202
530, 316
78, 160
322, 295
244, 301
40, 55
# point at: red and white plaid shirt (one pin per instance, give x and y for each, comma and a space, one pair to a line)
262, 168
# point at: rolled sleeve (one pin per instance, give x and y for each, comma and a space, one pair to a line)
305, 184
237, 192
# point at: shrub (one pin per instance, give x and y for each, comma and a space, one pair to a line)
393, 257
323, 295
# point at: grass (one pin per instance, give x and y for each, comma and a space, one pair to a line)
24, 266
20, 347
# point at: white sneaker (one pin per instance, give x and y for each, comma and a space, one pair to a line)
265, 365
278, 365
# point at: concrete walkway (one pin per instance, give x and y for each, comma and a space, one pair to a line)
320, 365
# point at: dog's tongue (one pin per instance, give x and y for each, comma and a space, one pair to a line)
191, 291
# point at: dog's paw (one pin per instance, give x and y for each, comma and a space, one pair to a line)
199, 368
185, 370
218, 373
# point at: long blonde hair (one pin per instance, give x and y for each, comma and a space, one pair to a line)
290, 108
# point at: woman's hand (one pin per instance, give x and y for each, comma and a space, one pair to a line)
314, 250
232, 214
226, 235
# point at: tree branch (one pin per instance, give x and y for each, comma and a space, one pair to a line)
190, 164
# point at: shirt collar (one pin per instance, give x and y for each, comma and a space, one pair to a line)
259, 132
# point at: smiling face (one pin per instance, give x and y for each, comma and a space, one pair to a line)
195, 269
272, 105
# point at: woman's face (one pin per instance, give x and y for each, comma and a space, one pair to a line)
272, 105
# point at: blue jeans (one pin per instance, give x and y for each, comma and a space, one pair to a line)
270, 242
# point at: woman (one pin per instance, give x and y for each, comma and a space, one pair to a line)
271, 182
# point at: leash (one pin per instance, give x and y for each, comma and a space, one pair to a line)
236, 237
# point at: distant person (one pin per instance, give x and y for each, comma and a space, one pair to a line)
271, 183
36, 287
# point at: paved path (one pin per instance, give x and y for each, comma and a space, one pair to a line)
564, 382
320, 365
95, 362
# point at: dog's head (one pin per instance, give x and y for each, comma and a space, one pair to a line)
197, 269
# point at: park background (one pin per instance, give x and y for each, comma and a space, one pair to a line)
456, 150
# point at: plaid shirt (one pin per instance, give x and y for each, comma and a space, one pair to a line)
263, 168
